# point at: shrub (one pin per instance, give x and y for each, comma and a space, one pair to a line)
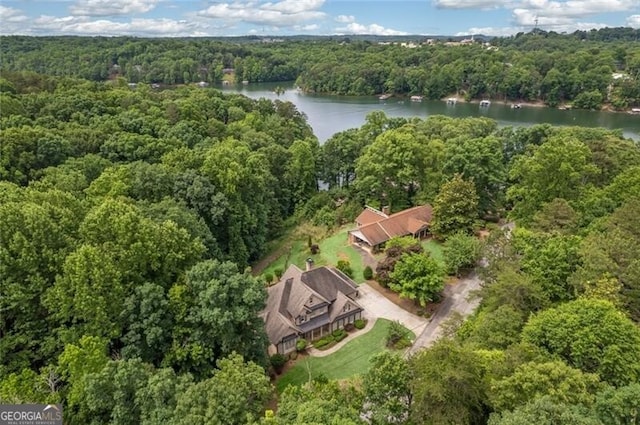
338, 335
349, 327
395, 333
345, 267
278, 361
367, 273
461, 252
278, 272
360, 323
324, 217
337, 332
293, 355
268, 277
301, 345
402, 343
315, 248
322, 342
321, 379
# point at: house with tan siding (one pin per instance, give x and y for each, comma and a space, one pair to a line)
309, 304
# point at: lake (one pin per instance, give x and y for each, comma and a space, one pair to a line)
329, 114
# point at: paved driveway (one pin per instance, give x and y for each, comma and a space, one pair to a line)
456, 300
376, 305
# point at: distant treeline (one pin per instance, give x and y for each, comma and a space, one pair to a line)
585, 68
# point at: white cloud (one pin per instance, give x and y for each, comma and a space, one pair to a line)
471, 4
634, 21
141, 27
12, 20
578, 8
345, 19
373, 29
494, 31
566, 16
280, 14
111, 7
294, 6
508, 31
9, 14
310, 27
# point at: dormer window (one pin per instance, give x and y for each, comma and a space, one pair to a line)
302, 318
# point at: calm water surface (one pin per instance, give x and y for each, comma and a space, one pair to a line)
328, 114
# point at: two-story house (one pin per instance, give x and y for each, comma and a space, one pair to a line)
309, 304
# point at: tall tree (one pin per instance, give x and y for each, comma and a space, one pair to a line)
417, 277
447, 385
236, 394
612, 251
479, 160
387, 392
390, 170
455, 208
217, 312
559, 382
559, 168
544, 411
590, 335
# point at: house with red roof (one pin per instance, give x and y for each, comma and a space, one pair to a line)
376, 227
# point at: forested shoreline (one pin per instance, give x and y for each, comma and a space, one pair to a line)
586, 69
128, 217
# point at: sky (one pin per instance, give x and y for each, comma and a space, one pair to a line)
197, 18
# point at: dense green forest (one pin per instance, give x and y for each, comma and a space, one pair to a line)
128, 217
587, 69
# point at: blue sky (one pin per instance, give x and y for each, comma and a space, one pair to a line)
173, 18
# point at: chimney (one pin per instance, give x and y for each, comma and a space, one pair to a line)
309, 263
386, 210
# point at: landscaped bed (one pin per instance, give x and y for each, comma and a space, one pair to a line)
350, 360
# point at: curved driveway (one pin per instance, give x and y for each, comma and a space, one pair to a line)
377, 305
456, 300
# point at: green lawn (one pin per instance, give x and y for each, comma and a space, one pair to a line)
352, 359
434, 248
336, 248
332, 249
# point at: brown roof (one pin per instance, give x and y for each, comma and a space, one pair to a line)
298, 292
402, 223
370, 215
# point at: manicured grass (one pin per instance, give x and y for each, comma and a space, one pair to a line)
350, 360
335, 247
435, 249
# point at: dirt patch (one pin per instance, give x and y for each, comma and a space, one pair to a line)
343, 256
258, 267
